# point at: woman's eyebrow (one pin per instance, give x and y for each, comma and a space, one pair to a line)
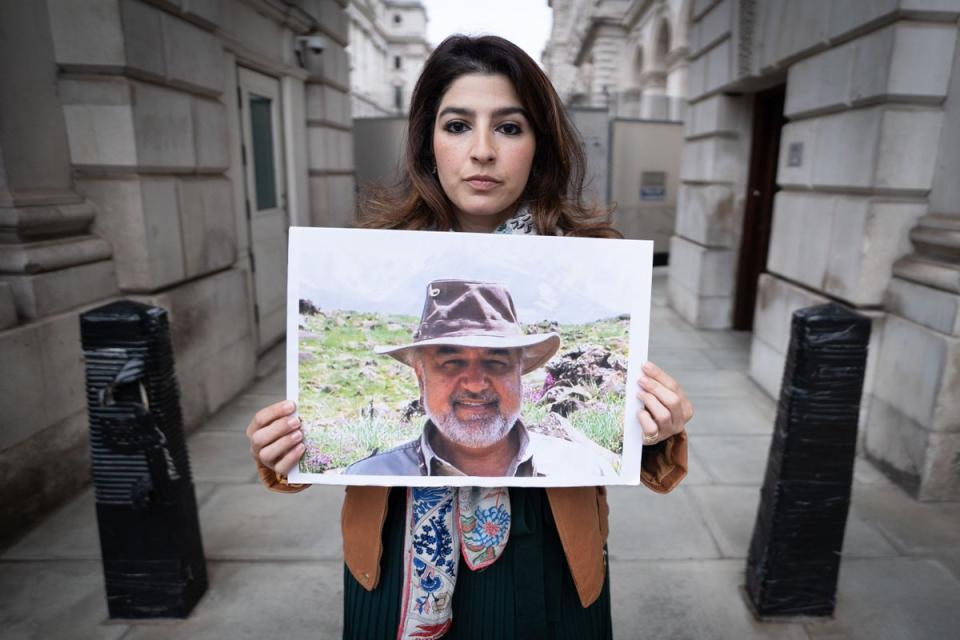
470, 113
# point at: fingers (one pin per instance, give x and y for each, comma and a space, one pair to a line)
289, 461
288, 438
269, 414
668, 391
666, 408
275, 436
651, 432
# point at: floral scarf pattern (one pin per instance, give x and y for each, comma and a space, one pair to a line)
444, 523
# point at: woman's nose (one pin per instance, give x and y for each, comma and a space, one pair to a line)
483, 148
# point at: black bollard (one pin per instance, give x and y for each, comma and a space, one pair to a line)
153, 561
794, 556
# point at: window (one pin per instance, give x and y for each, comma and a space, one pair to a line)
397, 62
398, 98
261, 134
397, 18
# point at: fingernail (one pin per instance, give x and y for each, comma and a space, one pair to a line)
301, 448
294, 421
288, 406
642, 380
297, 436
649, 367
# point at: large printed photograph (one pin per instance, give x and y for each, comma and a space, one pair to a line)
466, 359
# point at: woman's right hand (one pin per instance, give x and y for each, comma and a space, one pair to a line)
276, 440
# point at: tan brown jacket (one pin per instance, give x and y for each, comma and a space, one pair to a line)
580, 514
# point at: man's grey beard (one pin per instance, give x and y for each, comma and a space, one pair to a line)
478, 434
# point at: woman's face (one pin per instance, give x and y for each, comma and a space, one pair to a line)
483, 145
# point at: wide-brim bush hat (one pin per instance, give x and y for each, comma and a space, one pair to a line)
466, 313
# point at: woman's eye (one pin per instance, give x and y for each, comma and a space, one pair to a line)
511, 129
455, 126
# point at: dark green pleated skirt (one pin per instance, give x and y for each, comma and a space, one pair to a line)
528, 593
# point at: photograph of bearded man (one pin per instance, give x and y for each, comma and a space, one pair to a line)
469, 354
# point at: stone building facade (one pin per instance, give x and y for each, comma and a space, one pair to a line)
156, 151
820, 163
629, 56
388, 46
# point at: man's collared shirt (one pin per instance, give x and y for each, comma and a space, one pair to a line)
538, 455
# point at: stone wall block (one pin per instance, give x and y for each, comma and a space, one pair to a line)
905, 158
921, 374
208, 11
801, 235
941, 468
101, 134
92, 36
821, 81
44, 294
926, 47
8, 309
163, 121
709, 215
332, 201
139, 217
803, 26
211, 138
766, 366
802, 132
332, 18
715, 24
719, 66
49, 390
842, 20
707, 271
143, 37
935, 309
194, 56
843, 154
717, 159
207, 224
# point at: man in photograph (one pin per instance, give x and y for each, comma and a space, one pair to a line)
469, 354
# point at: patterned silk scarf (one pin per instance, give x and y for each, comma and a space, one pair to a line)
444, 523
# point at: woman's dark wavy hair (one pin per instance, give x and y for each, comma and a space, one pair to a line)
554, 190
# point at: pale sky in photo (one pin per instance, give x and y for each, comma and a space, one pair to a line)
526, 23
570, 280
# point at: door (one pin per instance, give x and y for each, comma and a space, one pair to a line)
768, 123
266, 200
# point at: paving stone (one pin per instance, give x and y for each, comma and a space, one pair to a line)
697, 471
221, 456
674, 360
736, 358
71, 532
733, 459
272, 526
720, 383
893, 598
69, 594
686, 600
731, 514
727, 339
261, 600
913, 527
716, 415
647, 526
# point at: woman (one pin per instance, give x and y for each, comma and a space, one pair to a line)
489, 149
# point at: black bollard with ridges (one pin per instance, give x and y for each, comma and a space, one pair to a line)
153, 561
794, 556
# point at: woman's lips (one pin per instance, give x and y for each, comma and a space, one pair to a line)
483, 184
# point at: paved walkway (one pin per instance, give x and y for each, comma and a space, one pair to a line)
677, 561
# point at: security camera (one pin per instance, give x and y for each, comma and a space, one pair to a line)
316, 44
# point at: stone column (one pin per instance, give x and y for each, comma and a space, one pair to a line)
913, 430
330, 129
49, 262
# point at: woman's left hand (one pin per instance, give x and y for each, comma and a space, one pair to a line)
666, 409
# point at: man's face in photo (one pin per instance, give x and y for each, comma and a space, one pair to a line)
471, 394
